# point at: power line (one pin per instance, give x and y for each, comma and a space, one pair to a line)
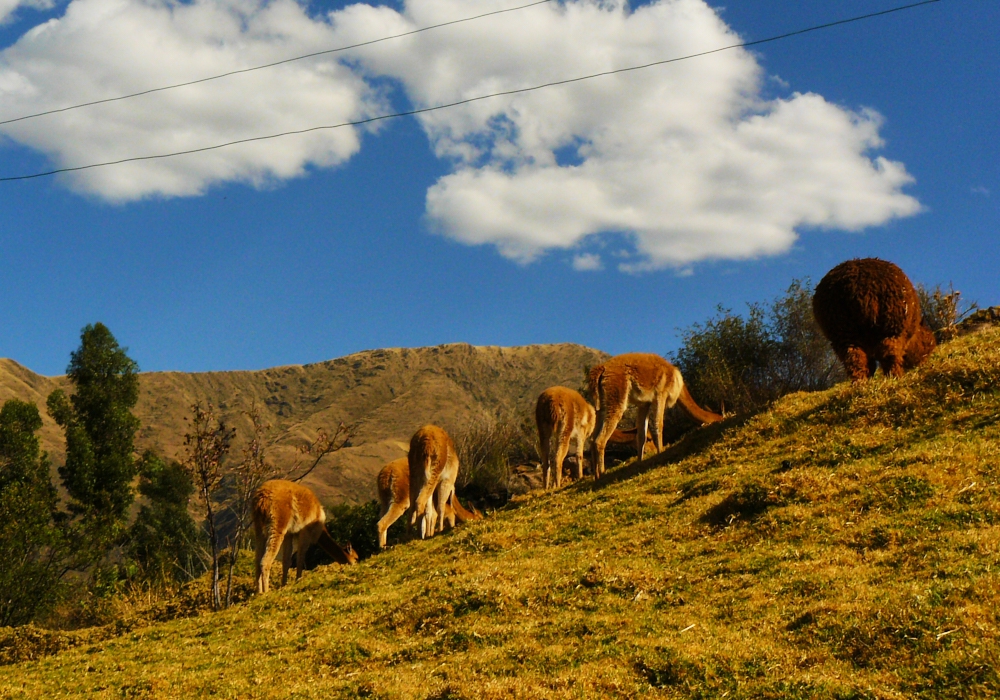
270, 65
423, 110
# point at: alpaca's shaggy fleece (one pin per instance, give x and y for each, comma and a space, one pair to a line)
870, 312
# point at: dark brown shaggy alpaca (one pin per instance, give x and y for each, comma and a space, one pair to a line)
870, 313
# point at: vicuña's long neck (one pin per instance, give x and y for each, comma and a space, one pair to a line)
332, 548
460, 511
624, 437
696, 411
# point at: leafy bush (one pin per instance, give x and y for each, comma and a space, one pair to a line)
736, 363
488, 450
34, 549
165, 542
354, 524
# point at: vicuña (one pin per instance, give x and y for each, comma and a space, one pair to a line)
562, 415
649, 381
433, 464
288, 516
394, 497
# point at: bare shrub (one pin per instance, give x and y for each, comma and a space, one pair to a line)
314, 452
488, 450
243, 480
942, 310
207, 445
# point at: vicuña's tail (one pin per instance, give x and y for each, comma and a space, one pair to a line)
461, 513
262, 506
594, 377
422, 495
696, 411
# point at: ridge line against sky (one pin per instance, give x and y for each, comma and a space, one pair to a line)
414, 112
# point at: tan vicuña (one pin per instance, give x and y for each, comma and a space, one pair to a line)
433, 464
650, 382
394, 498
562, 415
288, 516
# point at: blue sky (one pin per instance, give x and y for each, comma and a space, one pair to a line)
304, 251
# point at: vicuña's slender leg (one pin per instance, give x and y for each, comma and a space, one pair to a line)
388, 518
260, 549
641, 426
307, 537
275, 537
544, 446
286, 556
562, 451
445, 491
659, 409
607, 421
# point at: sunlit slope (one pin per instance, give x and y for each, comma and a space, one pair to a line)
844, 545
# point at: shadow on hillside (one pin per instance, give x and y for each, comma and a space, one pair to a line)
691, 443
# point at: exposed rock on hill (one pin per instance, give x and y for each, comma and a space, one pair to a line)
386, 394
980, 320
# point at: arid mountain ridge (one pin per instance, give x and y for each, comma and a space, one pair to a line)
385, 394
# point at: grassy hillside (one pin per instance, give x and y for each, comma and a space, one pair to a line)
388, 394
844, 545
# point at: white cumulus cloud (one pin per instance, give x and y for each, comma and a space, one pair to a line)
104, 48
686, 158
687, 161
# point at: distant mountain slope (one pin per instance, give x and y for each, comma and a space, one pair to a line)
388, 394
19, 382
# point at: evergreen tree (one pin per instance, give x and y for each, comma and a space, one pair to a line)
163, 541
32, 545
100, 428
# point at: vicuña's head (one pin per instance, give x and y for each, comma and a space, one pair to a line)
352, 556
920, 346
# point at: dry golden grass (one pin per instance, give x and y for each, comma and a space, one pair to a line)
843, 545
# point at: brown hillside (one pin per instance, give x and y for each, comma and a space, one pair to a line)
388, 394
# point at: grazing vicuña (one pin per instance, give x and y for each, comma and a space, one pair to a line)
562, 415
394, 497
288, 516
433, 464
649, 381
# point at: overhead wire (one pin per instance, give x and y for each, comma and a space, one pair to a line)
478, 98
270, 65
